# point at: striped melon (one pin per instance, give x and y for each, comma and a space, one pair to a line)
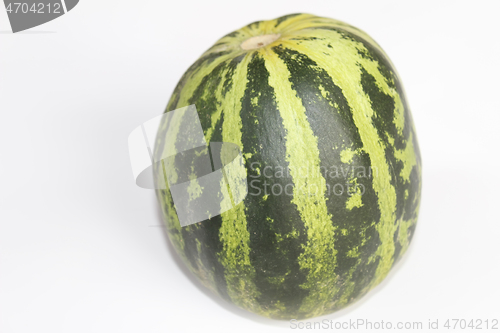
332, 161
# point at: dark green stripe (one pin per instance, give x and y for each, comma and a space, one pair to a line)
263, 137
331, 121
207, 233
384, 108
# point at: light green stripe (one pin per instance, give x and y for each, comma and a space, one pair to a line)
231, 101
318, 258
343, 66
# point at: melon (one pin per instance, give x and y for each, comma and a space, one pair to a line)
331, 159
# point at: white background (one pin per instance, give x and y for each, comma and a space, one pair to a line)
81, 247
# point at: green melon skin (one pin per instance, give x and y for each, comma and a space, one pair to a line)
319, 100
